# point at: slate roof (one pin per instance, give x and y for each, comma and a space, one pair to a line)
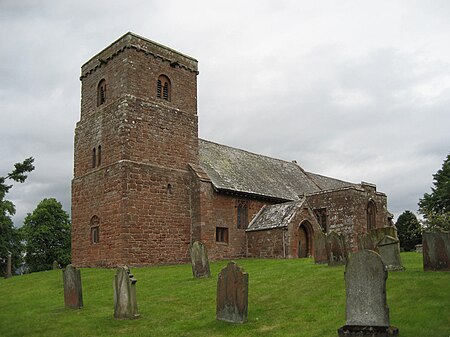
236, 170
275, 216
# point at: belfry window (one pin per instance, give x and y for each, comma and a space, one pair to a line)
94, 157
371, 215
99, 155
101, 92
163, 88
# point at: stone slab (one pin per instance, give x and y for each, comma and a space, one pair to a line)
199, 260
73, 294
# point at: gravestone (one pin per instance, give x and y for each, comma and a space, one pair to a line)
371, 239
419, 248
320, 248
232, 294
73, 294
336, 250
389, 250
366, 311
55, 265
199, 260
8, 273
125, 304
436, 250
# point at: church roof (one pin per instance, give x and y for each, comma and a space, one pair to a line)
236, 170
275, 216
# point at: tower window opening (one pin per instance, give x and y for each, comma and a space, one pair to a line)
163, 88
99, 155
101, 92
94, 157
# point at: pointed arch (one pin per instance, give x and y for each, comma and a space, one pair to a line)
371, 213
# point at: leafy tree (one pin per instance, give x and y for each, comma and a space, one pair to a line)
409, 230
9, 235
47, 236
435, 206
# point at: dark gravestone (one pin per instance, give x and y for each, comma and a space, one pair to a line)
199, 260
336, 250
73, 295
55, 265
125, 304
436, 251
232, 294
8, 273
366, 311
320, 248
389, 250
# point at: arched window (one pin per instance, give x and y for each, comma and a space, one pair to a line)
242, 214
163, 88
101, 92
371, 215
95, 229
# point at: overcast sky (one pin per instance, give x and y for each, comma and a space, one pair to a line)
357, 90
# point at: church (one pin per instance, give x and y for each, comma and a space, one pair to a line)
145, 186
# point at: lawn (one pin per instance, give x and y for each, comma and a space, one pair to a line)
286, 298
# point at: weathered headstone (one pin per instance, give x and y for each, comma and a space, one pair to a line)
320, 248
55, 265
232, 294
371, 239
336, 250
366, 311
8, 273
73, 294
199, 260
389, 250
436, 250
125, 303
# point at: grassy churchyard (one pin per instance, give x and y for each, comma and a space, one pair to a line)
286, 298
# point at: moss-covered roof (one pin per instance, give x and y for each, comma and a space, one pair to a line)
236, 170
275, 216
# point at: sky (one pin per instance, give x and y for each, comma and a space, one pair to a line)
356, 90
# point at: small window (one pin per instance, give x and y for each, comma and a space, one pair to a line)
94, 157
222, 234
163, 89
242, 214
321, 216
99, 155
95, 229
101, 92
371, 215
95, 235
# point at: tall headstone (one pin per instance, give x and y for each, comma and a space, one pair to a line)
389, 250
366, 311
320, 248
199, 260
73, 294
8, 273
125, 303
336, 250
232, 294
436, 250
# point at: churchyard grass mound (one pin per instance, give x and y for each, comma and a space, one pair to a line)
286, 298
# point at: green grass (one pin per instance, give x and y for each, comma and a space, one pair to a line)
286, 298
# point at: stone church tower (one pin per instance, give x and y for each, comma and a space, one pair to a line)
137, 133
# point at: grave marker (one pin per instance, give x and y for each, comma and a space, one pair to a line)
232, 294
8, 273
389, 250
336, 250
366, 311
125, 304
199, 260
73, 294
320, 248
436, 250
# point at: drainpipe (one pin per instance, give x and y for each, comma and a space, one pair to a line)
284, 243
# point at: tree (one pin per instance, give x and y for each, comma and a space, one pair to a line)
435, 206
409, 230
46, 232
9, 235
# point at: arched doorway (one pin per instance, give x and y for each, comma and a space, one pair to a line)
304, 240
